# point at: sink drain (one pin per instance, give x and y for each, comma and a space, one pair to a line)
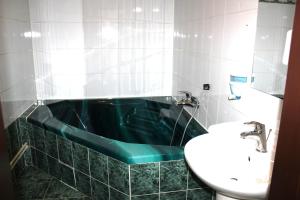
234, 179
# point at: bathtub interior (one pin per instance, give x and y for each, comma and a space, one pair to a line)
133, 130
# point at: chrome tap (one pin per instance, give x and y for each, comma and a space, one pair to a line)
260, 132
188, 100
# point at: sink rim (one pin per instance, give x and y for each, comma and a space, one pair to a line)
235, 189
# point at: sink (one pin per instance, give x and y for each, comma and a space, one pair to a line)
228, 164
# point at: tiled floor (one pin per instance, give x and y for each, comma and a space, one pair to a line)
35, 184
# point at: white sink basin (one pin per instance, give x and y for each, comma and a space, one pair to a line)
228, 164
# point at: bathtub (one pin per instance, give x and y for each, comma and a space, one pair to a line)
132, 130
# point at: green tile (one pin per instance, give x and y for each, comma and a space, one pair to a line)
194, 182
146, 197
80, 156
30, 132
67, 175
54, 167
144, 178
200, 194
83, 183
42, 161
65, 151
51, 144
23, 132
32, 184
181, 195
28, 157
116, 195
98, 166
118, 175
19, 167
34, 158
39, 138
173, 176
99, 190
58, 190
12, 135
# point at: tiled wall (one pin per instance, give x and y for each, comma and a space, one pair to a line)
17, 86
274, 21
103, 177
102, 48
214, 39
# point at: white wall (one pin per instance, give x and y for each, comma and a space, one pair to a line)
214, 39
17, 86
102, 48
274, 21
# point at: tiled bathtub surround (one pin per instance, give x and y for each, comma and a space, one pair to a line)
103, 177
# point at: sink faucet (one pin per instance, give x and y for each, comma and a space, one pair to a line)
260, 132
188, 100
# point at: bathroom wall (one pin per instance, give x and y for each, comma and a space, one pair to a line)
102, 48
214, 39
17, 86
270, 69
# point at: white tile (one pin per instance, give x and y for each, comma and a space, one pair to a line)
93, 60
158, 11
92, 32
110, 85
232, 6
38, 10
131, 85
62, 36
169, 11
110, 10
126, 35
127, 10
148, 9
67, 62
94, 85
15, 9
126, 61
139, 35
110, 35
248, 4
110, 62
65, 11
92, 10
17, 99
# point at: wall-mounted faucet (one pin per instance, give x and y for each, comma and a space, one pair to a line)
260, 132
188, 100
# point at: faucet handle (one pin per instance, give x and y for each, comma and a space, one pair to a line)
258, 125
187, 93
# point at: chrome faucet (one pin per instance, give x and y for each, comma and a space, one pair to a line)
260, 132
188, 100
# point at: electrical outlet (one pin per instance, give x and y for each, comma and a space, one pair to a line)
206, 86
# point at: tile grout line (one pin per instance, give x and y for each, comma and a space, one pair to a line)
107, 177
73, 168
62, 163
187, 184
89, 163
129, 179
44, 196
159, 181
